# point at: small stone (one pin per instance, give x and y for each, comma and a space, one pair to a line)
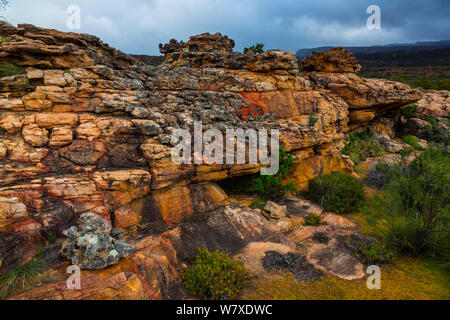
275, 211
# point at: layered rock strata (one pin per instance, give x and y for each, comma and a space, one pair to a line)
87, 128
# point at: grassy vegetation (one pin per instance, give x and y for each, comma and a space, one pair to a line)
4, 39
215, 276
431, 84
406, 225
22, 277
412, 213
9, 69
405, 278
436, 82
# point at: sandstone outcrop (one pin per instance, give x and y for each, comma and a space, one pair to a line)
86, 128
333, 60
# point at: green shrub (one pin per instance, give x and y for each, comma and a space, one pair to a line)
398, 78
22, 277
314, 220
215, 276
258, 203
4, 39
436, 132
257, 48
423, 83
443, 84
337, 192
312, 119
413, 141
359, 147
9, 69
413, 211
432, 84
410, 111
380, 175
369, 251
272, 186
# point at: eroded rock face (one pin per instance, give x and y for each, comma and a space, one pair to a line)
90, 245
86, 128
216, 51
333, 60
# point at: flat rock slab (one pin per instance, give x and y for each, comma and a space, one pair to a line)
331, 258
253, 254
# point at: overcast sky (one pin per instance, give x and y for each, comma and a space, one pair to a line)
138, 26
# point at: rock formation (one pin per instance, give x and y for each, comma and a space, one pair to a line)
91, 246
86, 128
337, 60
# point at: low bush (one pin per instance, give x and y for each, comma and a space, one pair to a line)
215, 276
337, 192
314, 220
369, 251
272, 186
410, 111
413, 141
360, 147
257, 48
413, 211
381, 174
435, 132
312, 119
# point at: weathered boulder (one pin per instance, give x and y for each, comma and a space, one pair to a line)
216, 51
435, 104
90, 245
332, 60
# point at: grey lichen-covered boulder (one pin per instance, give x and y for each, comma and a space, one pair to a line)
91, 246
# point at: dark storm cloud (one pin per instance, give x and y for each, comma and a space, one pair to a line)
137, 26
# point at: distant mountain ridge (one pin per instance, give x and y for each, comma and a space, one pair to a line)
410, 47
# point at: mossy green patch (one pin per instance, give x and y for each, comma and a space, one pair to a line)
9, 69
